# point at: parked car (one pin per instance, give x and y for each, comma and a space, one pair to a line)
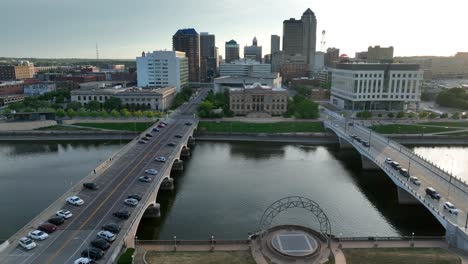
38, 235
146, 139
83, 261
93, 253
415, 181
90, 185
122, 214
149, 135
64, 213
57, 220
171, 144
156, 129
404, 172
433, 193
163, 123
131, 202
100, 243
388, 161
145, 179
178, 136
108, 236
112, 227
141, 141
75, 200
451, 208
27, 243
47, 227
161, 126
151, 171
160, 159
134, 196
188, 124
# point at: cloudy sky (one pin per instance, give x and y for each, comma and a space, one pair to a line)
124, 28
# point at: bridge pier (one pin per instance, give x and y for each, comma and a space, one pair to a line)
368, 164
191, 142
177, 166
456, 237
185, 153
405, 198
167, 184
153, 211
344, 144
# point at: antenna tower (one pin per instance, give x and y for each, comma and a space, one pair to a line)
323, 42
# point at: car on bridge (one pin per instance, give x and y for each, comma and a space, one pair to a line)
366, 144
27, 243
100, 243
141, 141
134, 196
415, 181
145, 179
171, 144
64, 213
404, 172
83, 261
47, 227
122, 214
38, 235
112, 227
90, 185
188, 124
131, 202
388, 161
161, 159
75, 200
57, 220
178, 136
395, 165
151, 171
108, 236
93, 253
432, 193
451, 208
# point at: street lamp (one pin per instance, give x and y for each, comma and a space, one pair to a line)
451, 175
175, 243
87, 250
412, 239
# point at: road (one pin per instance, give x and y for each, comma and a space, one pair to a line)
116, 183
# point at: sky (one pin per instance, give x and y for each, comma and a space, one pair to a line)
124, 28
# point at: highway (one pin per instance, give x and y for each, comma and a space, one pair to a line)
116, 183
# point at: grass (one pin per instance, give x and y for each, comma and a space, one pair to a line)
140, 127
400, 256
446, 124
126, 258
457, 134
240, 127
179, 257
409, 129
62, 128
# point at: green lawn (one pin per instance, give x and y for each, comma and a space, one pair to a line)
62, 128
180, 257
400, 256
240, 127
446, 124
409, 129
139, 127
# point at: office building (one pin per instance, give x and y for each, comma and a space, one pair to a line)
7, 73
389, 87
162, 68
275, 43
361, 56
223, 83
243, 67
253, 52
258, 99
24, 70
188, 41
208, 57
232, 51
379, 54
309, 23
453, 67
332, 57
34, 87
11, 87
319, 60
293, 40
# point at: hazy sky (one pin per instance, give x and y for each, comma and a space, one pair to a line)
124, 28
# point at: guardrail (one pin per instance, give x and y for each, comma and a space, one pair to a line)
398, 238
192, 242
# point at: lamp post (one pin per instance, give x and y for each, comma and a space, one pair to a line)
82, 240
412, 239
451, 175
175, 243
212, 240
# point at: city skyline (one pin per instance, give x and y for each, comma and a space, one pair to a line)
123, 30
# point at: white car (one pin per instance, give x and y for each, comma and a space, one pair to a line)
27, 243
131, 202
388, 160
83, 261
151, 171
415, 181
161, 159
451, 208
38, 235
75, 200
64, 213
106, 235
145, 179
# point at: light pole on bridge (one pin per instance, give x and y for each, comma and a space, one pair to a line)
451, 175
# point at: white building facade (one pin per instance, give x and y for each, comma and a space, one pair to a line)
161, 69
376, 87
243, 67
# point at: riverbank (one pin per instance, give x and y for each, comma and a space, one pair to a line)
66, 135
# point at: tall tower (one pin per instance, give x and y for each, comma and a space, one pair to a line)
188, 41
232, 51
293, 37
275, 44
255, 42
309, 23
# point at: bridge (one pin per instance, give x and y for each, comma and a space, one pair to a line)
373, 157
117, 178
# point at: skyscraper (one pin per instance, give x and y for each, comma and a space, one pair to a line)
208, 57
293, 41
188, 41
309, 23
275, 43
232, 51
253, 52
331, 57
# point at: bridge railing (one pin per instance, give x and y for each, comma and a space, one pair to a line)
192, 242
390, 238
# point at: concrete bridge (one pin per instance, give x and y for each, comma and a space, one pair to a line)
117, 178
450, 187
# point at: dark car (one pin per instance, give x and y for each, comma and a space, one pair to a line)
433, 193
395, 165
112, 227
404, 172
163, 123
161, 126
90, 185
58, 220
188, 124
100, 243
172, 144
134, 196
148, 135
146, 139
47, 227
358, 139
122, 214
366, 144
178, 136
156, 129
93, 253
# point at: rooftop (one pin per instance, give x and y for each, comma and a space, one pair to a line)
377, 66
186, 31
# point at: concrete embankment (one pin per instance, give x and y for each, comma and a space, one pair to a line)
324, 138
66, 135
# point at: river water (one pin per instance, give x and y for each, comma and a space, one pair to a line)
226, 187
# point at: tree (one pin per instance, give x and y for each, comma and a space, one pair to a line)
125, 113
423, 115
391, 115
456, 115
444, 115
364, 114
71, 113
61, 113
412, 115
17, 106
74, 105
115, 114
93, 105
103, 114
205, 108
138, 114
401, 115
148, 114
83, 113
94, 114
113, 103
433, 115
